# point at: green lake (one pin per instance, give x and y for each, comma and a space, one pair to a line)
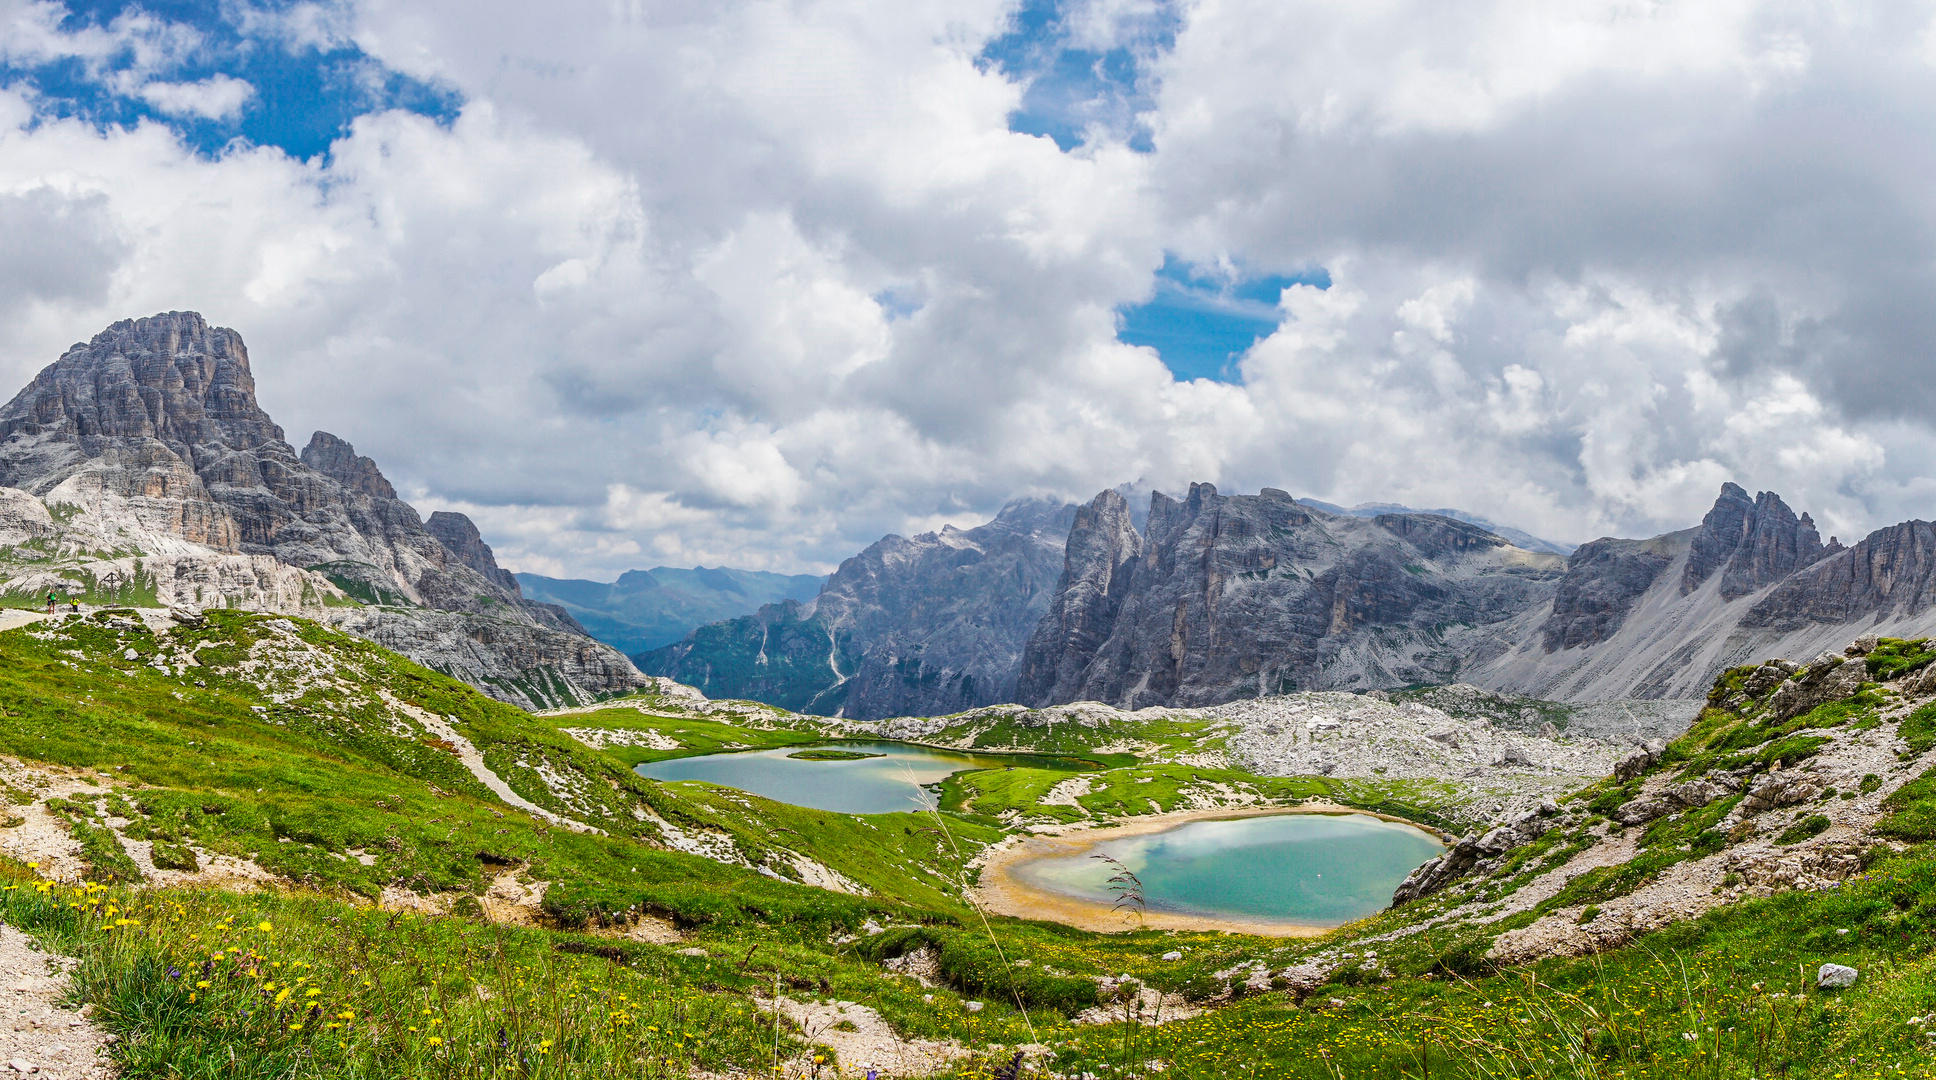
1308, 869
893, 780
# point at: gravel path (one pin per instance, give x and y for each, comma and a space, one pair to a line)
44, 1039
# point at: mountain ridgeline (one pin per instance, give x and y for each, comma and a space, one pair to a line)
140, 468
650, 609
918, 626
1219, 597
1245, 595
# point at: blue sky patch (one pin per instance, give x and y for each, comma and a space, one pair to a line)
1082, 80
1201, 320
300, 97
899, 303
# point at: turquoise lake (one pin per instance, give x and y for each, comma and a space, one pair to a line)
876, 785
1310, 869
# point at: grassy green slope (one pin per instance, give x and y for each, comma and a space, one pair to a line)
296, 747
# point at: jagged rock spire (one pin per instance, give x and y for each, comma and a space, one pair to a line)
1753, 542
338, 460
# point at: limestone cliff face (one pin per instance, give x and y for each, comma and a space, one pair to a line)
1237, 596
917, 626
149, 438
158, 417
461, 538
1753, 542
1103, 542
1890, 575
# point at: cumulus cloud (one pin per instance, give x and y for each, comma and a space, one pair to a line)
217, 97
756, 282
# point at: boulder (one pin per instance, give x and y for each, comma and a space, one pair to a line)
1773, 789
1639, 761
1835, 976
1643, 810
1703, 791
1826, 678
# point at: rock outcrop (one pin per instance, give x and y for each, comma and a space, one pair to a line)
339, 461
1230, 596
925, 625
162, 473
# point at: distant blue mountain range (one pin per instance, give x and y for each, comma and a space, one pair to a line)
1518, 537
647, 609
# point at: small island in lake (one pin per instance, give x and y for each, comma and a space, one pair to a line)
824, 754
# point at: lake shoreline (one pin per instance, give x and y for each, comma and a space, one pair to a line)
1002, 891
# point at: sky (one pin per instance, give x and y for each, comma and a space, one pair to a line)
755, 282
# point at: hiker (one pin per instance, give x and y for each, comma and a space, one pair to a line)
74, 606
50, 601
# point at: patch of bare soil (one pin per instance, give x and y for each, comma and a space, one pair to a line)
647, 928
1127, 1000
509, 900
861, 1040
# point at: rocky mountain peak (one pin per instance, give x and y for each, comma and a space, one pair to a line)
456, 532
1226, 596
338, 460
1752, 542
1102, 543
151, 433
170, 377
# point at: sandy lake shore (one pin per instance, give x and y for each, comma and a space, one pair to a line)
1002, 891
